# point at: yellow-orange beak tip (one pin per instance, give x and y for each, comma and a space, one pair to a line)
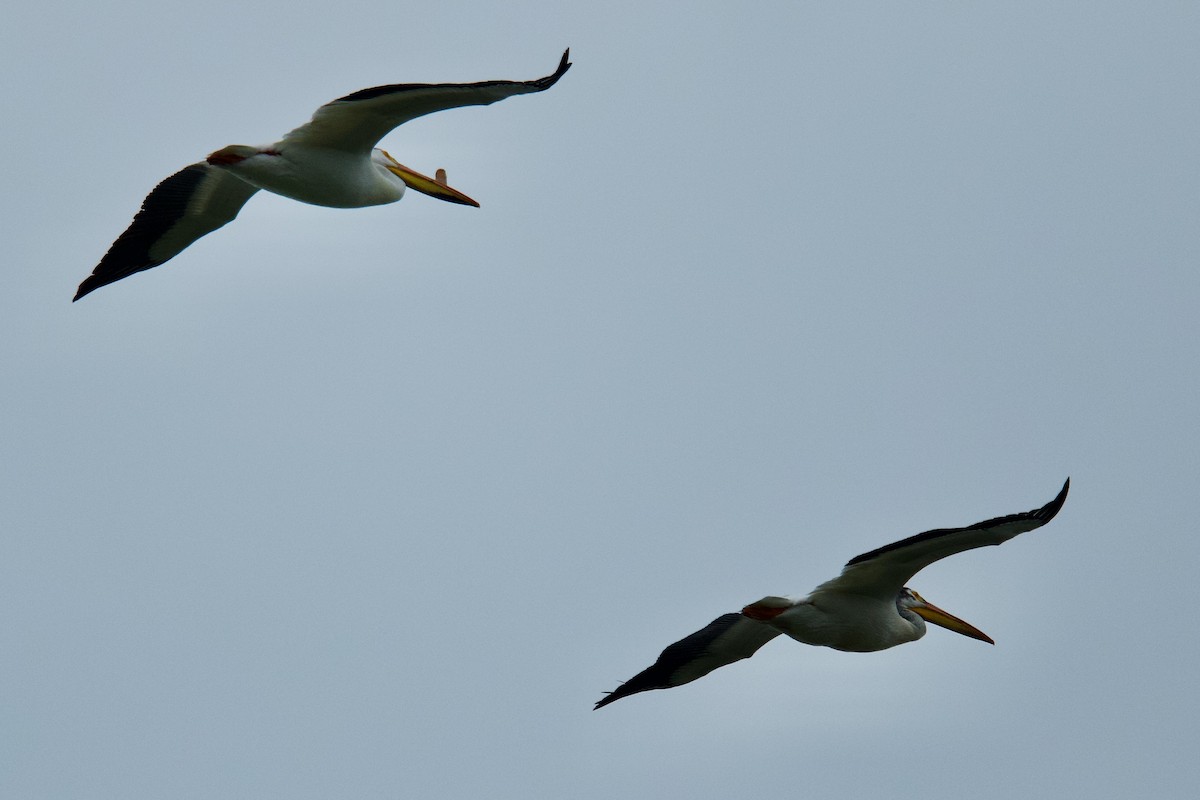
931, 613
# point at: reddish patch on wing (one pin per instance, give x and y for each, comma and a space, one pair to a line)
236, 154
225, 157
762, 612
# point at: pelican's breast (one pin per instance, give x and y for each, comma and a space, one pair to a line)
843, 621
316, 175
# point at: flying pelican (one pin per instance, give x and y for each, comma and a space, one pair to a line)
864, 609
329, 161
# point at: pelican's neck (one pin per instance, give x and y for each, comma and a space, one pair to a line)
913, 620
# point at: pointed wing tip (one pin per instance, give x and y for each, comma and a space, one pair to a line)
564, 64
85, 288
618, 693
1051, 509
93, 282
614, 696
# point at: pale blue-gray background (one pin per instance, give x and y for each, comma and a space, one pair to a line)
376, 503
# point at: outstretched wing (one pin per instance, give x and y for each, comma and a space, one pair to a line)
884, 571
194, 201
728, 638
358, 121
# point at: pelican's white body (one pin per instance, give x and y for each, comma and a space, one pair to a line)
320, 176
851, 622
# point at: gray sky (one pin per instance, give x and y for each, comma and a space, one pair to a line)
377, 503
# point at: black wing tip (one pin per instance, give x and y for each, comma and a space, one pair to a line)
564, 64
90, 284
1041, 515
631, 686
96, 281
1051, 509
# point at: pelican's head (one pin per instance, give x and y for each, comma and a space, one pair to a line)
434, 187
912, 601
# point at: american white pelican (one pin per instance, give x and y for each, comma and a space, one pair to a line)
864, 609
329, 161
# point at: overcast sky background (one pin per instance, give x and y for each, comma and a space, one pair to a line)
377, 503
